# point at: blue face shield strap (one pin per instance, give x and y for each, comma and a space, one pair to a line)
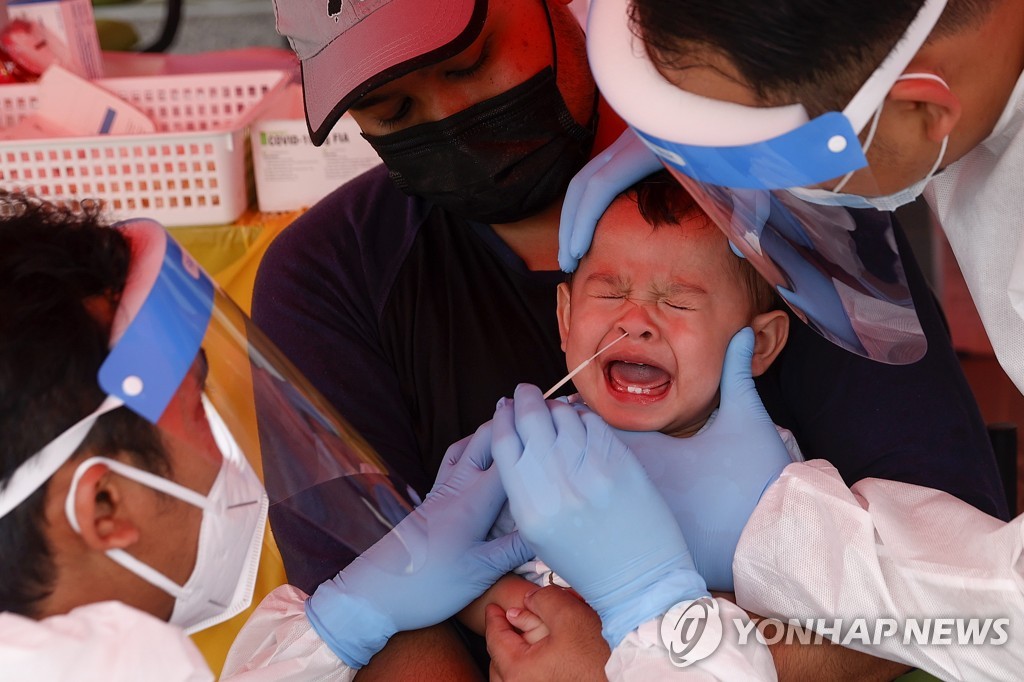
173, 319
819, 150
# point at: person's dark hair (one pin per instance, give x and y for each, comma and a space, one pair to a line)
55, 265
663, 201
808, 51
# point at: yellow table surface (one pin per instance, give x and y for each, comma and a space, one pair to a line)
231, 253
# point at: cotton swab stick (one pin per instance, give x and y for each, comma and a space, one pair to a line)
583, 364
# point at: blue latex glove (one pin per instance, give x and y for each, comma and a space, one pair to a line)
713, 480
429, 567
476, 446
619, 166
583, 503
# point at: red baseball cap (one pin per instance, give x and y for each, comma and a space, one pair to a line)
350, 47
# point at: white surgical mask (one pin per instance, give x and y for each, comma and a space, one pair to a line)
230, 535
888, 202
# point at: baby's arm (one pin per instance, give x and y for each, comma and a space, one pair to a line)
508, 593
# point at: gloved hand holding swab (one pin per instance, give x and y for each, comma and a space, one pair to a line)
583, 364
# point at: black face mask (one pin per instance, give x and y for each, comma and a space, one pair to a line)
499, 161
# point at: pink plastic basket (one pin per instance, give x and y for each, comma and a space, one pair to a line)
195, 171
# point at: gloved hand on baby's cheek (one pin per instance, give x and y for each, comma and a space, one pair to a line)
713, 480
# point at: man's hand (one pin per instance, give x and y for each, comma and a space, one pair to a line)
574, 651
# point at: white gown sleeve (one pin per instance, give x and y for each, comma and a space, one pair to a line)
277, 644
643, 657
898, 556
101, 642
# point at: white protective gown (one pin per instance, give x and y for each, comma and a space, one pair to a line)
884, 550
112, 642
643, 657
979, 201
101, 642
278, 643
814, 548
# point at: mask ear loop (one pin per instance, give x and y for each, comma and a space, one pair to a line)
551, 35
119, 556
938, 159
945, 140
592, 124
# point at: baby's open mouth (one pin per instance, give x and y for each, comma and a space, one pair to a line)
637, 378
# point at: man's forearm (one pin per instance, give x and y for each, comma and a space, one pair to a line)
812, 657
435, 653
803, 655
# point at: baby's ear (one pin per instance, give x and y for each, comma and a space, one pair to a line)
771, 330
562, 311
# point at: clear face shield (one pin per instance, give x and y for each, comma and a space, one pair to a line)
188, 360
754, 171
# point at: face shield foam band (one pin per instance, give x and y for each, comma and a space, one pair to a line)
150, 359
729, 144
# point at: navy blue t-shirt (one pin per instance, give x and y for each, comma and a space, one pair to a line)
413, 322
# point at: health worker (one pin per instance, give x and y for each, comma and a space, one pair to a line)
130, 388
799, 148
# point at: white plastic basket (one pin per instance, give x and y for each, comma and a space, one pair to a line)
195, 171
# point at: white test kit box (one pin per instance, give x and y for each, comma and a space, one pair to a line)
70, 28
291, 173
